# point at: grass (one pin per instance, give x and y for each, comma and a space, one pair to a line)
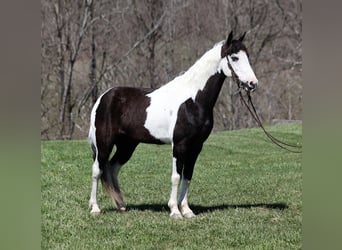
246, 192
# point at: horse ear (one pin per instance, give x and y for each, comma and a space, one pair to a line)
230, 38
242, 37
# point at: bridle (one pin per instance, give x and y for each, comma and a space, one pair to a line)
251, 108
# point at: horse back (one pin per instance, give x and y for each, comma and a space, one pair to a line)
122, 112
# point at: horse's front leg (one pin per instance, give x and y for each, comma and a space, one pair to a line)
190, 158
183, 200
175, 179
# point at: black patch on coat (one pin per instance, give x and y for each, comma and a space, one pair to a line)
122, 113
194, 124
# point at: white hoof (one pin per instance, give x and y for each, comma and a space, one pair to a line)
189, 215
176, 216
95, 210
187, 212
122, 209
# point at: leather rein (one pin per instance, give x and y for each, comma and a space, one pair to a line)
251, 108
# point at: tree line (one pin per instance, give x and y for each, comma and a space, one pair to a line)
88, 46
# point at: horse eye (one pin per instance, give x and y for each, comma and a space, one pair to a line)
234, 58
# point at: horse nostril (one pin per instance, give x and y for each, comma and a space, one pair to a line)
253, 85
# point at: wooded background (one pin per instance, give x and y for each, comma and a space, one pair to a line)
88, 46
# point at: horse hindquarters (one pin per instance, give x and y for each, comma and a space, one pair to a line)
101, 137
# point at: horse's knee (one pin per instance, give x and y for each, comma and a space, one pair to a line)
175, 179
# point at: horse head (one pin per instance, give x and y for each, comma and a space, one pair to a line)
234, 55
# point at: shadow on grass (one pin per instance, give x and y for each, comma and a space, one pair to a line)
199, 209
207, 209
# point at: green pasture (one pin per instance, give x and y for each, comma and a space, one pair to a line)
246, 193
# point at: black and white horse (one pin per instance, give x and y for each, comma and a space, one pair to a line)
179, 113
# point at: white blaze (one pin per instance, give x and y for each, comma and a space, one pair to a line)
242, 67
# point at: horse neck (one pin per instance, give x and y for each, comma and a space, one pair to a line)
201, 82
204, 68
196, 77
208, 96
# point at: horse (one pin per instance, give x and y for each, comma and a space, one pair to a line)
179, 113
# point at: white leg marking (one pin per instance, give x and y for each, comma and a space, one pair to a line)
96, 170
175, 178
95, 177
183, 200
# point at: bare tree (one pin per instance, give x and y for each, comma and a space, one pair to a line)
89, 46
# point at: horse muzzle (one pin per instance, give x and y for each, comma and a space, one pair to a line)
250, 86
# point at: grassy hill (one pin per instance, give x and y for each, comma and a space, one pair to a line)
246, 192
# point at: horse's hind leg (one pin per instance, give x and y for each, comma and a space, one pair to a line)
100, 168
95, 177
124, 150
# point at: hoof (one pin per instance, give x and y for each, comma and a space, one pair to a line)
189, 215
122, 209
95, 210
95, 213
176, 216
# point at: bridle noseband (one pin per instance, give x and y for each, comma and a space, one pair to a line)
242, 85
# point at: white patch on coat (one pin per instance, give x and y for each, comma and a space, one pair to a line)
165, 101
223, 66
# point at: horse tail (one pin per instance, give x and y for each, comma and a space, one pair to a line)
108, 184
107, 180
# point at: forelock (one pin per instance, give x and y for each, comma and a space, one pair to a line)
236, 46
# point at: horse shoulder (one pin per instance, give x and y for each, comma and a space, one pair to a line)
193, 120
